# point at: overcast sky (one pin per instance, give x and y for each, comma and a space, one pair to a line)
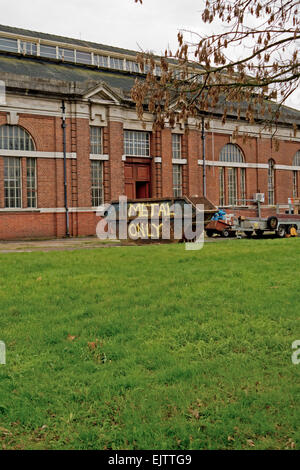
123, 23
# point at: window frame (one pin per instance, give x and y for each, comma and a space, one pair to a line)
96, 141
271, 182
9, 164
97, 183
177, 180
133, 144
176, 146
33, 187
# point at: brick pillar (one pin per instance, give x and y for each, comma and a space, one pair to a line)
166, 166
2, 179
106, 166
115, 159
193, 145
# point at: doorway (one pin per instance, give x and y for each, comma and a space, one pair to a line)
137, 180
141, 189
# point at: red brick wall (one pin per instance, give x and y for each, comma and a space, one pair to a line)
47, 135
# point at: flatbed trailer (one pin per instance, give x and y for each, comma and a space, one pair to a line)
281, 224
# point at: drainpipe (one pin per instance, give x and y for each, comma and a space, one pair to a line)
64, 125
203, 157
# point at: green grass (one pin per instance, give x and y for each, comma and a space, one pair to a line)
193, 348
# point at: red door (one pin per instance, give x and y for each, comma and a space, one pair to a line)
137, 180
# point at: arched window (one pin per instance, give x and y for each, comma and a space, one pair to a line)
229, 193
231, 153
271, 182
16, 139
296, 162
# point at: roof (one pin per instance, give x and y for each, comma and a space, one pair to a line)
39, 68
44, 75
55, 38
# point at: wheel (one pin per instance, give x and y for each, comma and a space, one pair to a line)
281, 231
248, 234
272, 223
225, 233
259, 233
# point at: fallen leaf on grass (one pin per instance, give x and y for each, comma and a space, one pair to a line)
250, 443
71, 338
4, 431
39, 278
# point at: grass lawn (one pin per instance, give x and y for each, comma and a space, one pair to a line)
151, 347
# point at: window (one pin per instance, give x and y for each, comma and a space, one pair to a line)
137, 143
295, 184
176, 146
10, 45
48, 51
101, 60
132, 66
66, 54
221, 186
296, 173
232, 187
12, 182
96, 140
271, 181
31, 182
231, 153
15, 138
243, 186
83, 57
116, 63
177, 180
97, 183
28, 48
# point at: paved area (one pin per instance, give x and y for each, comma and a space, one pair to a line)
70, 244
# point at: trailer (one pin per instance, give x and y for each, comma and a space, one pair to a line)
280, 224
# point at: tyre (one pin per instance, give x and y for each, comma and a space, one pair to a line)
209, 233
225, 233
281, 231
272, 223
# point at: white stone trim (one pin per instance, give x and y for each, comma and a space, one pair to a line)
179, 161
94, 156
124, 157
234, 164
35, 154
157, 159
59, 210
287, 167
48, 210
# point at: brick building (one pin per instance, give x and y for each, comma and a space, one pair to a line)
51, 80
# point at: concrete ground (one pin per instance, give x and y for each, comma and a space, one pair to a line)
70, 244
